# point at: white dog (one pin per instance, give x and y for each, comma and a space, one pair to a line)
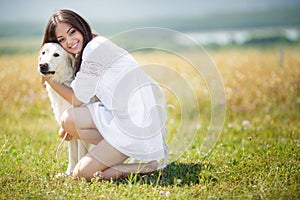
55, 61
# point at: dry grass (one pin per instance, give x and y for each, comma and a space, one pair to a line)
257, 155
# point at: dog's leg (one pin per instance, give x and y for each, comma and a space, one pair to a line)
83, 149
73, 156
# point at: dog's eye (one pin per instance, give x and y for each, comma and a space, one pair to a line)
55, 54
43, 52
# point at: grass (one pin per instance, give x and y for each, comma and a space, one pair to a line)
256, 157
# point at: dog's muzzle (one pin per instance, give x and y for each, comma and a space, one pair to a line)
44, 69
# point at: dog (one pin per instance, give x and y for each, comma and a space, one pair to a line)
54, 61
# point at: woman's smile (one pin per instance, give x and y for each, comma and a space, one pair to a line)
74, 46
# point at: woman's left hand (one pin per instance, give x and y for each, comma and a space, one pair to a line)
46, 78
62, 134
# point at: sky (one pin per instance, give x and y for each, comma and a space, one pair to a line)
129, 10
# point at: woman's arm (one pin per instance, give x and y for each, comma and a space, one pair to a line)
64, 91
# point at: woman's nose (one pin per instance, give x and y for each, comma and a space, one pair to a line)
69, 40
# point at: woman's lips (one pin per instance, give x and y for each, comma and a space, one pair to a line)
74, 46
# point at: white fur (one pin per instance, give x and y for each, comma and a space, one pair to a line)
61, 63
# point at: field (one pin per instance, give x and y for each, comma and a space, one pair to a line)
257, 155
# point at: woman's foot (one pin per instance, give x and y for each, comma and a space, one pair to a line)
149, 167
125, 170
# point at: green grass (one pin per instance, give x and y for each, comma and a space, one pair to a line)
256, 160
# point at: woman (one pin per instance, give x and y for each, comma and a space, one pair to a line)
128, 121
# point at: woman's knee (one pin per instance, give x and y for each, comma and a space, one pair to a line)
67, 120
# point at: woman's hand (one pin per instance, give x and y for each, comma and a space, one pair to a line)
47, 79
62, 134
44, 80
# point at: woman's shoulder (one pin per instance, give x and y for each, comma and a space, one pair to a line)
103, 50
93, 44
96, 41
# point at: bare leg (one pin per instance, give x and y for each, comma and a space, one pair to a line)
78, 123
100, 158
125, 170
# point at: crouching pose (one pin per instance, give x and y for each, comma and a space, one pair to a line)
128, 121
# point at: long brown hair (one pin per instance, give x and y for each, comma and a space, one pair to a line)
77, 22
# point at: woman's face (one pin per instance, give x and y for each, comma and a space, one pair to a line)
69, 38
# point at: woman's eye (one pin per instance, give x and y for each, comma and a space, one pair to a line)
55, 54
72, 31
60, 40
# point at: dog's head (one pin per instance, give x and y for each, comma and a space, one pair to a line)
54, 60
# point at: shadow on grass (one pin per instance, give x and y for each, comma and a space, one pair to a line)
178, 174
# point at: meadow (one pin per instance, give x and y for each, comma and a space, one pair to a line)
257, 155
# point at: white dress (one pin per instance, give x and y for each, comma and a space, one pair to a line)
131, 114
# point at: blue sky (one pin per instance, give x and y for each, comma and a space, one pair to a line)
128, 10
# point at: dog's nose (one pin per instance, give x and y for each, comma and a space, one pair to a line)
44, 67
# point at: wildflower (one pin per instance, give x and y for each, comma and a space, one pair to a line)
29, 97
246, 123
168, 193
